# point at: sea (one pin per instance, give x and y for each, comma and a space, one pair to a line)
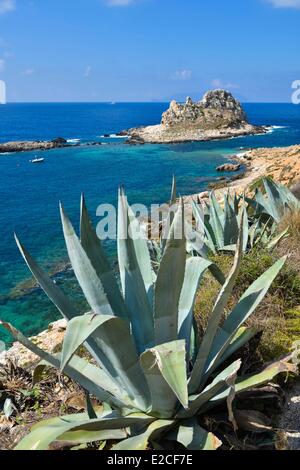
30, 194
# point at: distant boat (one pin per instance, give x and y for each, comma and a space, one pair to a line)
37, 160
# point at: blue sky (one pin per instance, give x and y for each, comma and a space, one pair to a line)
143, 50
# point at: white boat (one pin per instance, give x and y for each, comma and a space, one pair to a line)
37, 160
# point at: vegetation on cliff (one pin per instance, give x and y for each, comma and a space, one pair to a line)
154, 374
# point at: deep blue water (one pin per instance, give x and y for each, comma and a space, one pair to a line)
30, 193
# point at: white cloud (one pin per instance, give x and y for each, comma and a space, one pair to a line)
7, 6
119, 3
218, 83
29, 72
182, 75
88, 71
2, 65
285, 3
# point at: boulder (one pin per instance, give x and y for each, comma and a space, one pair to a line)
229, 167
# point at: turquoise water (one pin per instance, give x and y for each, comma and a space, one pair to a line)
30, 193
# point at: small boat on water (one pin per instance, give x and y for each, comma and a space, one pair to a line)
37, 160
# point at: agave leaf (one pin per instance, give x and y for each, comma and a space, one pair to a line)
275, 202
244, 217
173, 192
119, 357
216, 315
274, 242
196, 402
242, 337
93, 249
141, 441
170, 215
218, 209
89, 376
79, 329
217, 273
195, 268
134, 290
48, 431
287, 196
217, 220
165, 369
255, 380
85, 437
203, 227
241, 312
231, 226
193, 437
169, 282
142, 255
252, 421
55, 294
85, 272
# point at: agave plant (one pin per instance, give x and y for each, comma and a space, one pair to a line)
218, 227
275, 203
153, 377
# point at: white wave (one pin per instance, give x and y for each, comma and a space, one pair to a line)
242, 154
275, 128
73, 141
112, 136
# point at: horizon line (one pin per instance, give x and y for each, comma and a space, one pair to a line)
112, 102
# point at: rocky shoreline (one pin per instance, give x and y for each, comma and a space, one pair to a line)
217, 116
27, 146
41, 145
282, 163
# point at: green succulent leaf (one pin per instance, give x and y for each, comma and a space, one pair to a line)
90, 377
165, 369
194, 271
119, 356
94, 251
43, 434
215, 318
241, 312
194, 437
141, 441
221, 381
55, 294
84, 270
255, 380
133, 286
169, 282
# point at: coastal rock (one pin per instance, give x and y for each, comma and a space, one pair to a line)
26, 146
217, 116
49, 340
229, 167
59, 141
203, 195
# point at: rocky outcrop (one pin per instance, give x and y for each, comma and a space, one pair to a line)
26, 146
217, 116
229, 167
49, 340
